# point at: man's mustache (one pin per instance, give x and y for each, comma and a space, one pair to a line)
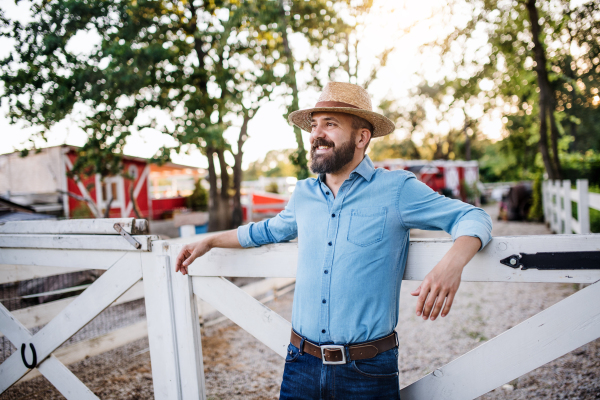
322, 142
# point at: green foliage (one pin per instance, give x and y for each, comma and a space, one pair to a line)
536, 212
82, 211
272, 188
274, 164
198, 200
501, 76
582, 166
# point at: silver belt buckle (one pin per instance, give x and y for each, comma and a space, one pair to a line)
333, 346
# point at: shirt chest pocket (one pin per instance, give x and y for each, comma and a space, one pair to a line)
366, 226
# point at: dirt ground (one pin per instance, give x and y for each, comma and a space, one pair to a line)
237, 366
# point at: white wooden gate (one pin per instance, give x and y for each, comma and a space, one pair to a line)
176, 351
172, 314
67, 245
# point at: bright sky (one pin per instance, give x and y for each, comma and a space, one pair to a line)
269, 130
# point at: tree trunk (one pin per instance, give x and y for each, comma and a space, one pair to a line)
554, 140
198, 43
218, 211
237, 215
298, 158
223, 209
546, 103
467, 142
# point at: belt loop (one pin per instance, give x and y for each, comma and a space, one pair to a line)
302, 345
347, 350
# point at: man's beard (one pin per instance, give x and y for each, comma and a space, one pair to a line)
334, 160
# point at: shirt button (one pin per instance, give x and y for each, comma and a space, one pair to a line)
326, 271
327, 193
323, 331
332, 215
324, 301
329, 243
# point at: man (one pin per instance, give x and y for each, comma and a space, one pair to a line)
352, 225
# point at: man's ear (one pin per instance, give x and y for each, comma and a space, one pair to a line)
363, 137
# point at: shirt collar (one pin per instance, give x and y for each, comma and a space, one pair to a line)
366, 169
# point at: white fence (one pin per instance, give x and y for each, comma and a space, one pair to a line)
557, 197
173, 312
40, 249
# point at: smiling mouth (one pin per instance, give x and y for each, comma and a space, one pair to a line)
323, 147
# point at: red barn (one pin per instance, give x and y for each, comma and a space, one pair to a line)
40, 180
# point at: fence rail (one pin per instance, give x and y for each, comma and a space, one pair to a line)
557, 202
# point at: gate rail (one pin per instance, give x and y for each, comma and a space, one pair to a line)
176, 349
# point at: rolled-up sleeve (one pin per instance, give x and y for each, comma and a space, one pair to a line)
281, 228
421, 208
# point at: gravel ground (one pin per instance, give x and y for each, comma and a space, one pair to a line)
237, 366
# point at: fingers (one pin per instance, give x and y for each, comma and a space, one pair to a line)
449, 301
184, 258
193, 255
416, 292
431, 298
439, 302
423, 292
180, 257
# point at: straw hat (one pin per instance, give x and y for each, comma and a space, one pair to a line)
345, 98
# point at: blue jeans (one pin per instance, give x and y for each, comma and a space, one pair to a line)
306, 377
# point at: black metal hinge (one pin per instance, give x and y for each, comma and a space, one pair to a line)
558, 260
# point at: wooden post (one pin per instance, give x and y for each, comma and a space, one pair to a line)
556, 226
583, 206
161, 324
187, 329
545, 202
567, 212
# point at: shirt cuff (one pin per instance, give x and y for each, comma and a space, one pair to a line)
244, 236
475, 229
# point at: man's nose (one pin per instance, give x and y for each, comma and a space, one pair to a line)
317, 132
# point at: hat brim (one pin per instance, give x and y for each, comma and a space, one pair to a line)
381, 125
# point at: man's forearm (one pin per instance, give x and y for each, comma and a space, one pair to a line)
224, 240
190, 252
461, 252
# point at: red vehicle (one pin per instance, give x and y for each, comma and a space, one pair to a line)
457, 179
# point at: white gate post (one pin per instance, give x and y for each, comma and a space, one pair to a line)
545, 200
161, 324
567, 212
583, 206
558, 207
187, 330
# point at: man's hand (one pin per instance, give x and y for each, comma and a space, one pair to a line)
441, 284
189, 253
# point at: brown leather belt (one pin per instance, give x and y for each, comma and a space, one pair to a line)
336, 354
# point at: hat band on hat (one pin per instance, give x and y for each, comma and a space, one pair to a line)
334, 104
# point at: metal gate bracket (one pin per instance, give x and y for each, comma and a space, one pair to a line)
555, 260
127, 236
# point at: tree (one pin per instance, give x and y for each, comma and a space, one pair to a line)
198, 63
533, 53
274, 164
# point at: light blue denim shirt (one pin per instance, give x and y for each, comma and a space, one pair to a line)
352, 249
